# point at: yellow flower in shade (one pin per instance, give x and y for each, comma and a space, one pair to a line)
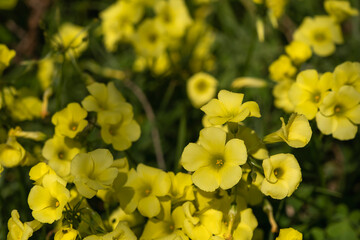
347, 73
281, 94
174, 16
60, 152
289, 234
340, 10
169, 227
48, 201
66, 233
254, 145
339, 113
148, 184
120, 129
92, 171
104, 99
296, 133
149, 40
121, 232
70, 121
71, 39
298, 51
201, 225
229, 107
133, 219
321, 33
200, 88
246, 226
118, 22
5, 56
19, 230
181, 187
40, 170
282, 69
11, 153
282, 176
308, 92
276, 7
214, 161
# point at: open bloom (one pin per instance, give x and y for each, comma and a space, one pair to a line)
48, 201
282, 176
347, 73
11, 153
70, 121
92, 171
201, 88
246, 226
340, 113
19, 230
296, 133
308, 92
282, 69
298, 51
214, 161
321, 33
289, 234
229, 107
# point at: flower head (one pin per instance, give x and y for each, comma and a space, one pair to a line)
298, 51
230, 108
201, 87
282, 69
19, 230
66, 233
347, 73
340, 10
282, 176
11, 153
5, 56
214, 162
289, 234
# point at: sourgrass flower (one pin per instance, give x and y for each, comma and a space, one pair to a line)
200, 88
282, 69
19, 230
298, 51
289, 233
347, 73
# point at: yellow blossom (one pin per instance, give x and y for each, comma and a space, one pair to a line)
133, 219
47, 202
11, 153
70, 121
282, 69
321, 33
276, 7
289, 234
229, 107
60, 152
5, 56
282, 176
201, 87
296, 133
254, 146
281, 94
147, 184
66, 233
339, 113
347, 73
40, 170
181, 187
121, 232
253, 82
19, 230
340, 10
246, 226
92, 171
308, 92
71, 39
46, 72
298, 51
214, 161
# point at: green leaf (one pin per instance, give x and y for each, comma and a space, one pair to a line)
341, 231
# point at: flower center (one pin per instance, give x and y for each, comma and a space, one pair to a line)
337, 109
201, 86
152, 38
57, 204
219, 162
73, 126
278, 172
61, 155
319, 36
147, 191
317, 97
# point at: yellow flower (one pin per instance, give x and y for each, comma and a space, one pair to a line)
60, 153
289, 234
46, 72
148, 184
19, 230
5, 57
181, 187
321, 33
253, 82
282, 176
118, 22
298, 51
121, 232
149, 40
340, 10
104, 99
120, 129
40, 170
276, 7
8, 4
174, 16
255, 147
339, 113
92, 171
347, 73
70, 121
71, 39
247, 225
201, 87
47, 202
214, 162
281, 94
201, 225
66, 233
282, 69
11, 153
308, 92
229, 108
296, 133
